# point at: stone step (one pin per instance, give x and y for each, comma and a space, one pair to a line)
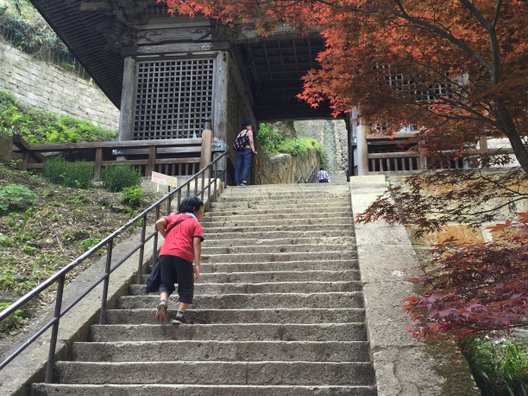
271, 232
308, 265
225, 332
314, 206
273, 287
268, 275
218, 214
226, 351
301, 223
316, 240
344, 247
41, 389
284, 195
239, 231
249, 216
256, 300
281, 276
298, 188
277, 257
253, 315
222, 373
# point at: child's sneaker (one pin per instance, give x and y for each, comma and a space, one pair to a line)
161, 313
181, 319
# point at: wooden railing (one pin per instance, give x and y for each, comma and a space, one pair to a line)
408, 161
173, 157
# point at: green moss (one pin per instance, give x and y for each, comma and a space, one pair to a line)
38, 126
274, 142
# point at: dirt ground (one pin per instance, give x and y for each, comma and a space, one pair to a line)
60, 225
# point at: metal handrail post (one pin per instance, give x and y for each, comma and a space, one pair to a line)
195, 186
106, 283
141, 249
215, 168
210, 171
179, 199
202, 194
155, 241
55, 330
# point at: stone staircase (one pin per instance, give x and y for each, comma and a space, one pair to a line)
278, 310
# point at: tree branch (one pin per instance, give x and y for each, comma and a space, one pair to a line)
442, 33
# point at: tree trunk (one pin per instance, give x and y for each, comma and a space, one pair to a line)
519, 148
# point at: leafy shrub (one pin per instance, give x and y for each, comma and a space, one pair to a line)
274, 142
15, 197
117, 177
77, 174
132, 196
499, 364
29, 32
38, 126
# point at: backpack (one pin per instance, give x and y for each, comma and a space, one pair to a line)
241, 141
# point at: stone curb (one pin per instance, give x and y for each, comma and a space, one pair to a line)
402, 364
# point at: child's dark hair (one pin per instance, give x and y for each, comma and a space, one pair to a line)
190, 205
321, 168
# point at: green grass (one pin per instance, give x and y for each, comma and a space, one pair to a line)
499, 364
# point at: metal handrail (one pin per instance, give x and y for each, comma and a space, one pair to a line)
108, 243
301, 179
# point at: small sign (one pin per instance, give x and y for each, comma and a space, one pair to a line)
164, 180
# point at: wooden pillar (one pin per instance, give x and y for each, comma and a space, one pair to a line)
98, 163
220, 96
151, 161
128, 98
483, 145
207, 146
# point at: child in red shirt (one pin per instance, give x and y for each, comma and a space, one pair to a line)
183, 235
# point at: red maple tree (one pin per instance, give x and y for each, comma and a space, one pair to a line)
456, 68
472, 289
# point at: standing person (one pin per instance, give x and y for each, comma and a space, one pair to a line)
245, 149
322, 175
183, 235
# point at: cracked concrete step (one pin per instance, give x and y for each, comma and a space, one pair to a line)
273, 287
287, 240
226, 351
268, 232
256, 300
41, 389
348, 247
277, 257
239, 331
198, 372
276, 276
253, 315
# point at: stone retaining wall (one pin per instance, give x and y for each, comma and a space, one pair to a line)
48, 87
284, 168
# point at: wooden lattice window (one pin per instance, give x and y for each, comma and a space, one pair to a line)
173, 98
